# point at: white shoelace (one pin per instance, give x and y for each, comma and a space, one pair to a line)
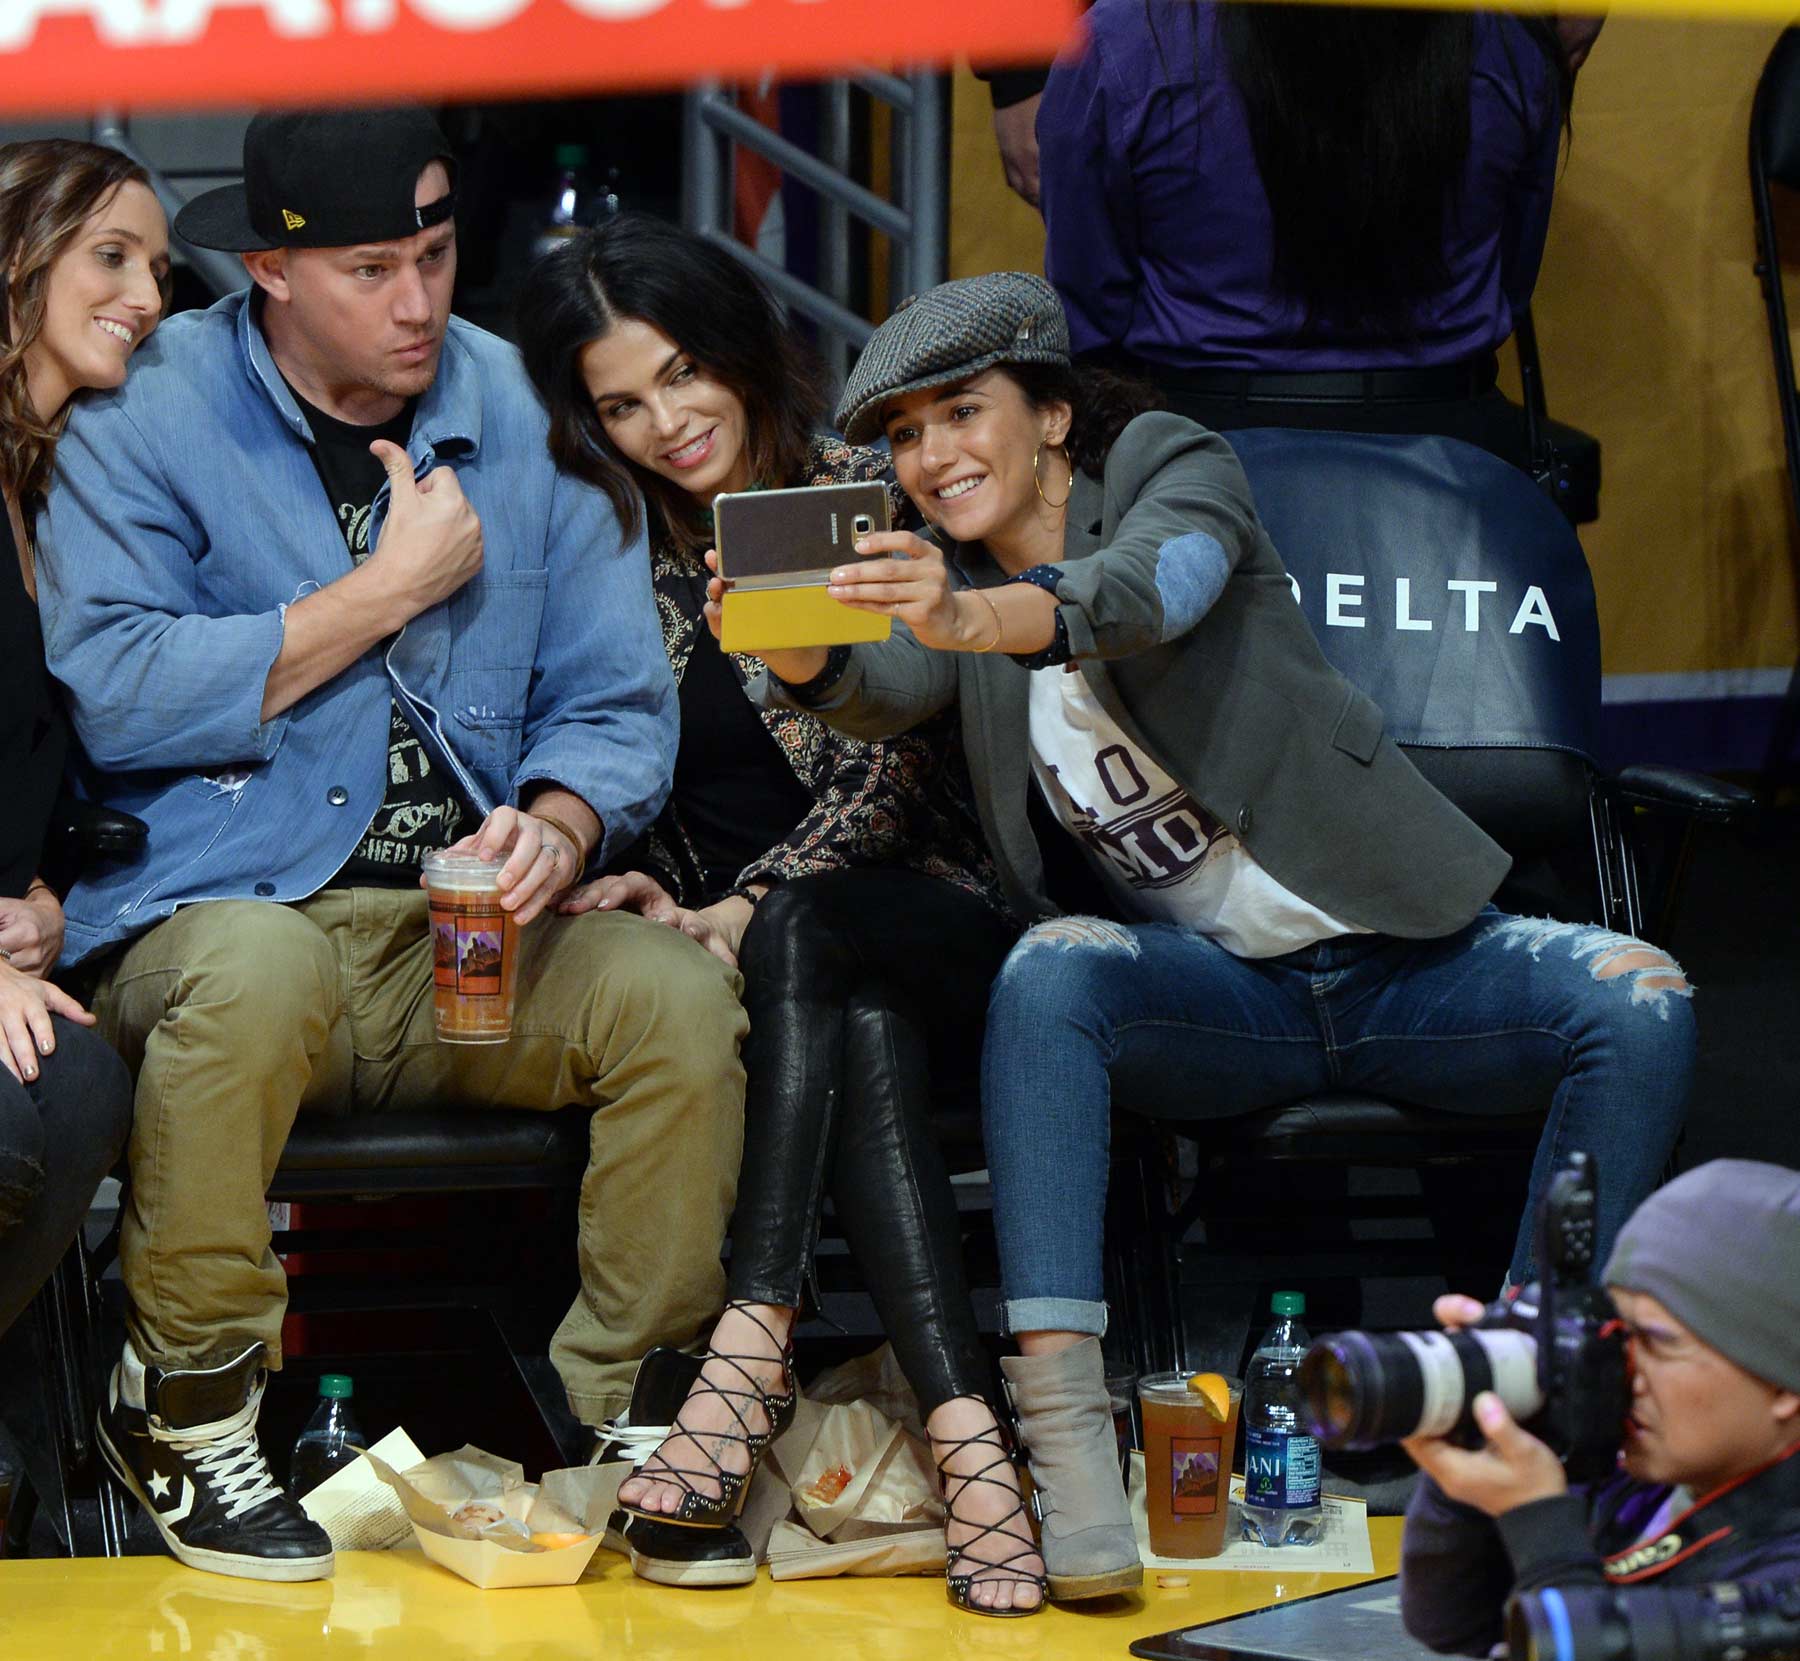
632, 1442
226, 1452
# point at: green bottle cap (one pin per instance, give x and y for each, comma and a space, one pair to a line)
1288, 1303
571, 155
337, 1386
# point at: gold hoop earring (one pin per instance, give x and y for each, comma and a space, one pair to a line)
1036, 455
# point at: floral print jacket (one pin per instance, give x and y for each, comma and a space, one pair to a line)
904, 802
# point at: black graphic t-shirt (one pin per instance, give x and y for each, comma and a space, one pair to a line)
423, 809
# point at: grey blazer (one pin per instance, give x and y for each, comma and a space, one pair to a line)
1180, 616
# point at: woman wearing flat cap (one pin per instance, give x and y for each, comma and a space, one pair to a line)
1244, 892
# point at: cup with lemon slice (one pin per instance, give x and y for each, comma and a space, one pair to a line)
1190, 1431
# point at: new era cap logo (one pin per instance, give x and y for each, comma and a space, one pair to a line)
292, 220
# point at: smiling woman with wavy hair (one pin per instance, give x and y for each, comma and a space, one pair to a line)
84, 253
49, 190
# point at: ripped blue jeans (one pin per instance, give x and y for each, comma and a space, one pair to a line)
1504, 1015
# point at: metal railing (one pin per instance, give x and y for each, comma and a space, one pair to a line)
914, 220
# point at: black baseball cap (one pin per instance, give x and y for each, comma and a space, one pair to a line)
325, 179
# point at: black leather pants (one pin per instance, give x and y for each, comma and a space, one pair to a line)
59, 1135
859, 983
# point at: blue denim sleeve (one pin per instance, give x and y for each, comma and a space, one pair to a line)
151, 681
600, 718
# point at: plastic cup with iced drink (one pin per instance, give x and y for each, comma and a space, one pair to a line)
474, 949
1189, 1435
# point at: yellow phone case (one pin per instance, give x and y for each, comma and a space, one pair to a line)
778, 619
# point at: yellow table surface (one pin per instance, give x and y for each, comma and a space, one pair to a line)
394, 1604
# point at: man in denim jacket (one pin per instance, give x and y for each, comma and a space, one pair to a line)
301, 691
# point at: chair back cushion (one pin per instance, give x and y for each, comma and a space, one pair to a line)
1531, 802
1443, 583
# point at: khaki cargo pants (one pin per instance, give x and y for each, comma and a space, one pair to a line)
238, 1014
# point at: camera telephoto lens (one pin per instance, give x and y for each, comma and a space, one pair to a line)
1366, 1389
1727, 1621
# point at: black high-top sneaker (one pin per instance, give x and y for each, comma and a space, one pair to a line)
185, 1444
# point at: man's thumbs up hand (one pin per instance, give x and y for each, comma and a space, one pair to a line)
430, 542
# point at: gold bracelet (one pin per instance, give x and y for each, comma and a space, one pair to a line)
574, 840
996, 614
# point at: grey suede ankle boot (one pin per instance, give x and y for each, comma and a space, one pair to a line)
1065, 1420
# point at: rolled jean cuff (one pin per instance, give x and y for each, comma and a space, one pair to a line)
1055, 1315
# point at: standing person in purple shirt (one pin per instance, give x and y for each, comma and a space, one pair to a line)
1294, 216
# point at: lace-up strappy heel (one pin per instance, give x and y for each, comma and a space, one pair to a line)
987, 1550
702, 1510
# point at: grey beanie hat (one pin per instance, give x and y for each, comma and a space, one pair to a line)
1719, 1248
949, 333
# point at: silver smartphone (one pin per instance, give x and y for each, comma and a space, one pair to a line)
794, 538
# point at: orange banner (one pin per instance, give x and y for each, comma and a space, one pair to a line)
74, 55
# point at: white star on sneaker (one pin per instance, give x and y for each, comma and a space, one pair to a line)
159, 1486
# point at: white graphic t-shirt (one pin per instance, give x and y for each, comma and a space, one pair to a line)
1163, 857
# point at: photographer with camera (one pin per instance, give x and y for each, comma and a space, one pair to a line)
1705, 1278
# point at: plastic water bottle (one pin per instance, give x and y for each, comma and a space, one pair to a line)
331, 1439
1281, 1459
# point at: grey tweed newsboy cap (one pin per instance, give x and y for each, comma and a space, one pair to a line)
1719, 1248
948, 333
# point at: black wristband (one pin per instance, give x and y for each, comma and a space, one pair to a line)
1049, 578
837, 660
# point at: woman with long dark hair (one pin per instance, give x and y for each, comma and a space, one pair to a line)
84, 251
847, 881
1275, 901
1288, 215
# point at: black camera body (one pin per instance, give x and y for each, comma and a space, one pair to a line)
1554, 1353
